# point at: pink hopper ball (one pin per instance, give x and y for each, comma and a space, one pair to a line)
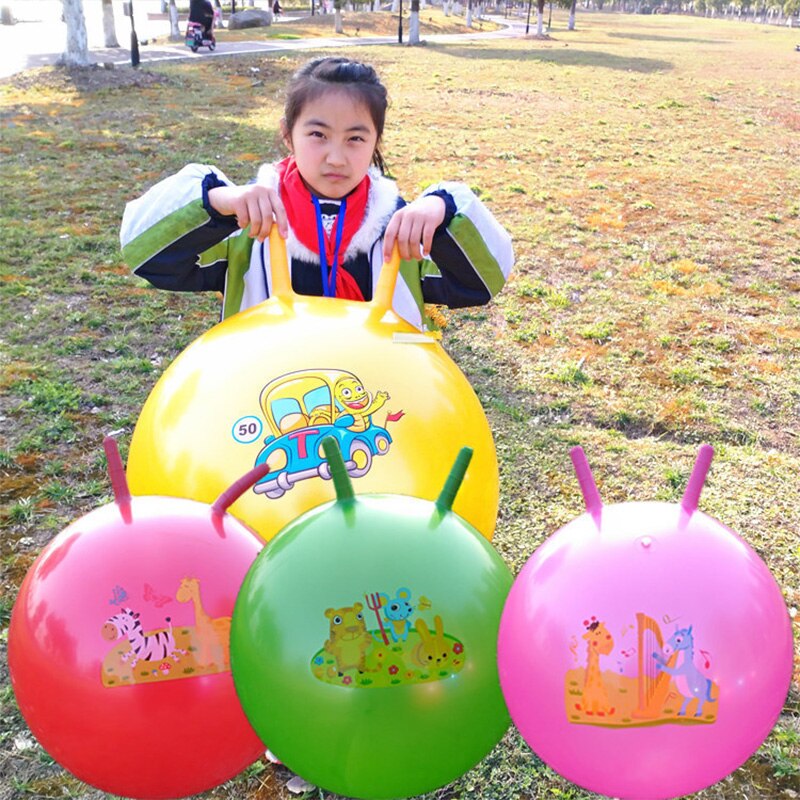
645, 650
119, 644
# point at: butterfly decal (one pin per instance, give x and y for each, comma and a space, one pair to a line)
118, 596
157, 600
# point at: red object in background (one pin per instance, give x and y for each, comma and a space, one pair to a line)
118, 646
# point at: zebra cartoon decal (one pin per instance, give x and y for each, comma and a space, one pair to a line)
153, 646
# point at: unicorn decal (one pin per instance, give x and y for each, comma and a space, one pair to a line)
688, 679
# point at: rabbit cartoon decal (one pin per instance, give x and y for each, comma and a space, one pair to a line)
432, 652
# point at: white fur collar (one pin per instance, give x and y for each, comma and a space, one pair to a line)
381, 204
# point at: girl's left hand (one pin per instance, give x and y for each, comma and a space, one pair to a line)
413, 225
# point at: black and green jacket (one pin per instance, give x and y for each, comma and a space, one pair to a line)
174, 239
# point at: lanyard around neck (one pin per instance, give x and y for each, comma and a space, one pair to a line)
329, 276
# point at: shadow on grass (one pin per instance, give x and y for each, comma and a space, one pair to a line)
655, 37
567, 57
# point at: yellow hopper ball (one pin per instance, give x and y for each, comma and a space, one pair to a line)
270, 383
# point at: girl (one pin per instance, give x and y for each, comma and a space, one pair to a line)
340, 216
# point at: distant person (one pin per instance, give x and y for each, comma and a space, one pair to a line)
276, 8
202, 12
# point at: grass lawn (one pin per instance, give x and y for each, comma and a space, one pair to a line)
648, 169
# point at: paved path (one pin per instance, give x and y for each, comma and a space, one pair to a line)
39, 40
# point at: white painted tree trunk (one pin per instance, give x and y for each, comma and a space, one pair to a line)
77, 52
337, 21
174, 24
109, 31
413, 28
395, 6
539, 23
571, 22
447, 6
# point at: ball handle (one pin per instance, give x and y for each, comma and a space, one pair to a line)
238, 488
341, 480
583, 472
279, 266
445, 500
691, 497
116, 472
387, 281
282, 283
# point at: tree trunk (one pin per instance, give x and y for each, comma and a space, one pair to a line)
338, 27
109, 31
413, 23
395, 6
571, 23
469, 14
77, 52
447, 5
540, 18
174, 24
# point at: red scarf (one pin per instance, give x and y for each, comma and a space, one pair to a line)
302, 219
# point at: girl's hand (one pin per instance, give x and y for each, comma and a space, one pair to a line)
253, 205
413, 225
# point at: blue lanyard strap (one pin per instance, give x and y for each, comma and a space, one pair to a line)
329, 277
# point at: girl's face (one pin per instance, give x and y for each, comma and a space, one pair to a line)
333, 141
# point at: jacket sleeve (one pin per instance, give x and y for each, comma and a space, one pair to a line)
471, 253
171, 237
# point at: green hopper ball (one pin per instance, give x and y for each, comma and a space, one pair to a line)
364, 642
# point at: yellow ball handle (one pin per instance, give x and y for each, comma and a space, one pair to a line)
279, 265
384, 292
282, 283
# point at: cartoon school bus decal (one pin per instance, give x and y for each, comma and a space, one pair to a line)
166, 653
655, 682
304, 407
357, 657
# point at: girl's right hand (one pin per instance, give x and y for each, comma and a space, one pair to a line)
254, 205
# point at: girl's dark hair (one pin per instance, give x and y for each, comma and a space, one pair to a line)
359, 80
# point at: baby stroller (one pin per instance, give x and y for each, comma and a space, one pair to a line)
197, 36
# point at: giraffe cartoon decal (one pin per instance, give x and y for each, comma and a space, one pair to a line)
594, 699
211, 635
